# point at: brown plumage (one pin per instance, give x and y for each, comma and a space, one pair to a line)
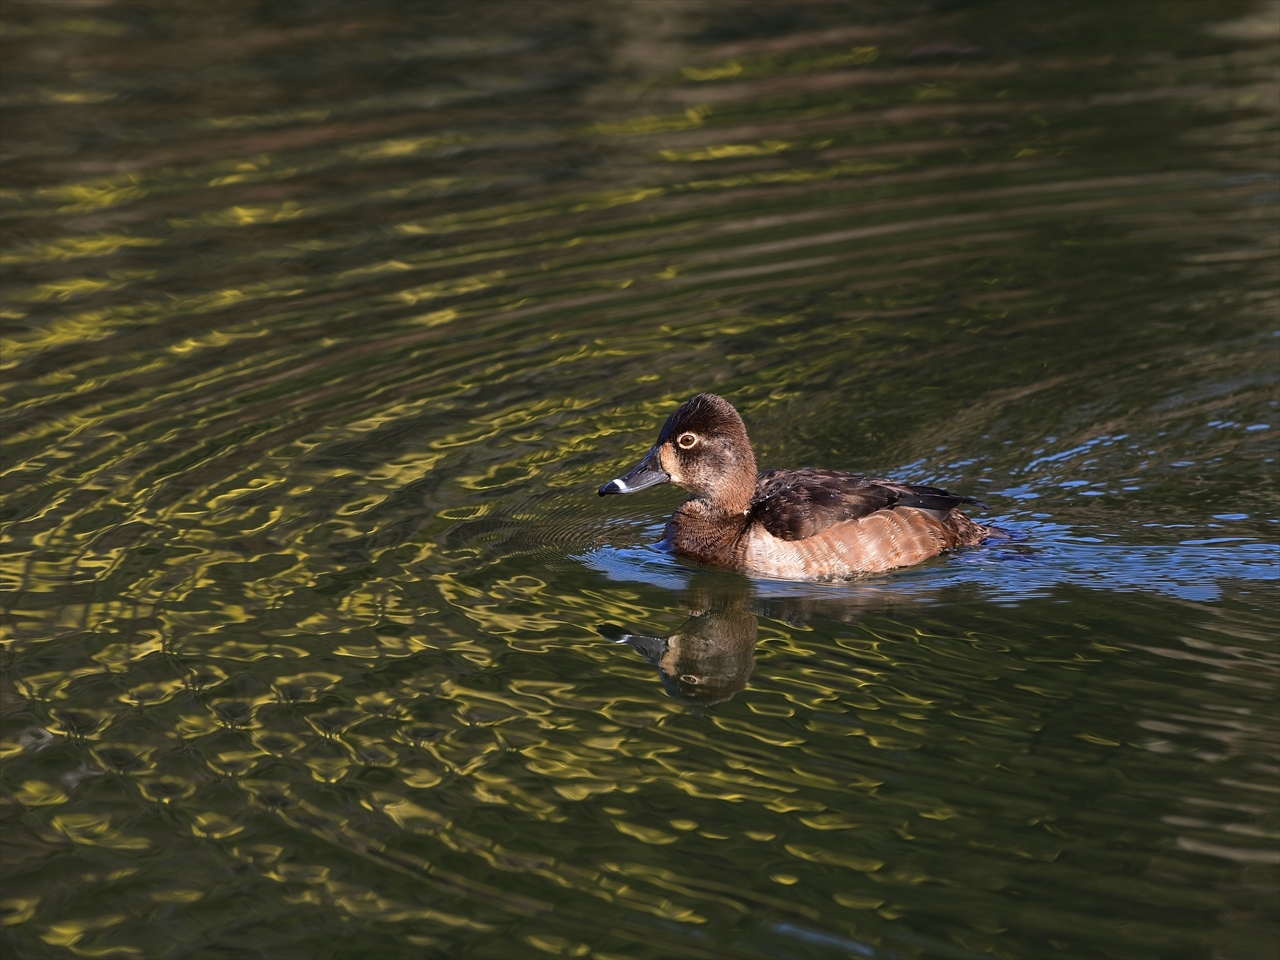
788, 524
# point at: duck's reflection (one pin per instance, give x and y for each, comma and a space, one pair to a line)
710, 656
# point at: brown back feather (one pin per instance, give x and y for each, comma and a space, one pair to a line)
796, 504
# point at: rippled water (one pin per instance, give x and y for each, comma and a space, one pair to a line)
323, 322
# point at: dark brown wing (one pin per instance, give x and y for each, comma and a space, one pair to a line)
795, 504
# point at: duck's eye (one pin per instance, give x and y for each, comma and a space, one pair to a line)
687, 441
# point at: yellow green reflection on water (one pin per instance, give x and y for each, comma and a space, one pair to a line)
322, 325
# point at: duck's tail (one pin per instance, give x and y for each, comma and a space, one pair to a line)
968, 532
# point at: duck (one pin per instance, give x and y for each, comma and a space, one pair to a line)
803, 524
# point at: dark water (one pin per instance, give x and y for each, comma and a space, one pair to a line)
323, 322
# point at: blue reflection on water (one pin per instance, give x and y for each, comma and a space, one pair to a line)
843, 944
1036, 559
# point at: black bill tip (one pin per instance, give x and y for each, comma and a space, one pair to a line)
614, 486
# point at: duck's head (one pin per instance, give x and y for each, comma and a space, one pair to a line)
703, 447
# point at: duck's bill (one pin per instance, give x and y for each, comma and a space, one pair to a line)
647, 473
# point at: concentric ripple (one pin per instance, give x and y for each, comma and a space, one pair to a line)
322, 323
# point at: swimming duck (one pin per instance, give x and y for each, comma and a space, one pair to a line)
788, 524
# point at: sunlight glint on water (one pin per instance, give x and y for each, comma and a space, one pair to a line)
323, 323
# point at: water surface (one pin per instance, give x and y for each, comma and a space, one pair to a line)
323, 322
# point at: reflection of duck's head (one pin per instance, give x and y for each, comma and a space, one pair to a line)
711, 655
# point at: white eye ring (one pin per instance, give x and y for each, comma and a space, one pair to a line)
687, 441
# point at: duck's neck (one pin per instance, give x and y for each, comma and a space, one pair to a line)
706, 531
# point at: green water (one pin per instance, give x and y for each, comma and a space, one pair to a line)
323, 323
